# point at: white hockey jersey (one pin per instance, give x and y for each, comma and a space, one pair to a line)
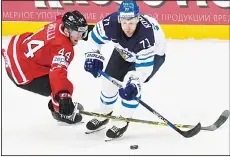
147, 41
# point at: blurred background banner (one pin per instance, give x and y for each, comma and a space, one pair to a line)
180, 19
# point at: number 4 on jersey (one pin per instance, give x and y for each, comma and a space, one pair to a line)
67, 54
33, 46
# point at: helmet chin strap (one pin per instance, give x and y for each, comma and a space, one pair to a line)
68, 31
69, 37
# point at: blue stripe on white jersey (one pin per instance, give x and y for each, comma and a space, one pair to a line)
145, 58
95, 38
98, 34
103, 37
146, 64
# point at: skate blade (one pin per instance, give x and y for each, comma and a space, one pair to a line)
107, 139
60, 123
94, 131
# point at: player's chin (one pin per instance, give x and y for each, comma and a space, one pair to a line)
74, 42
129, 33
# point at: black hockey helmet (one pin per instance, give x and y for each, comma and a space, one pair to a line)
75, 21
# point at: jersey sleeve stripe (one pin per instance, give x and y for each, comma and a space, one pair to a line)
96, 39
103, 37
146, 64
138, 58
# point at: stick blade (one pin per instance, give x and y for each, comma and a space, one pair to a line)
223, 117
192, 132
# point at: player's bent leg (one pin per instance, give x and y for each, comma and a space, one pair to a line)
76, 117
108, 98
117, 68
118, 128
40, 85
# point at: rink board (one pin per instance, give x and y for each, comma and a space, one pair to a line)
172, 31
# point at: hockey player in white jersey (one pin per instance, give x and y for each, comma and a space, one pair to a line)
139, 51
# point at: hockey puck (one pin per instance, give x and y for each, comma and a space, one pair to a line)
134, 147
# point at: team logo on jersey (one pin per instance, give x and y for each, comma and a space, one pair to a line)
126, 55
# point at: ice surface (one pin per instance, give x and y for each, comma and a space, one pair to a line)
192, 86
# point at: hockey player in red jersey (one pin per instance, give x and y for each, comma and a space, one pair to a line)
38, 62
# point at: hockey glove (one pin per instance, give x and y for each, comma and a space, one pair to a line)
66, 106
131, 90
94, 62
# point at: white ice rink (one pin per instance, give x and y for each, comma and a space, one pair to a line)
192, 86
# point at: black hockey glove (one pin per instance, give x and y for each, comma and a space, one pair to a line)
94, 62
66, 106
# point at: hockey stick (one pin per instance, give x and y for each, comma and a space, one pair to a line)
222, 118
187, 134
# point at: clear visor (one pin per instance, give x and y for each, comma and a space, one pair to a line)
76, 34
133, 20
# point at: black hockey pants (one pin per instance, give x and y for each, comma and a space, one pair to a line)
40, 85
